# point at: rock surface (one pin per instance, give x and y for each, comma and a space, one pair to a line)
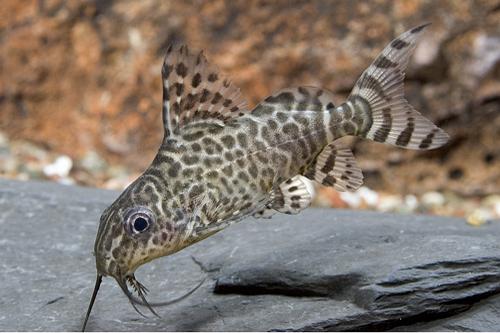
94, 67
320, 270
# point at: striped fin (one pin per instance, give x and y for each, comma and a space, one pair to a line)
194, 90
292, 196
380, 92
335, 166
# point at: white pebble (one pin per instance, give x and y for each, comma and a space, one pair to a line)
369, 196
433, 199
60, 168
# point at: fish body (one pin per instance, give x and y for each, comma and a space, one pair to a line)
220, 162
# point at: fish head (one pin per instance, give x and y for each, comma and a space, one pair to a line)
134, 230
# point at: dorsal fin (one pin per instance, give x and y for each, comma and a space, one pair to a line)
194, 90
335, 166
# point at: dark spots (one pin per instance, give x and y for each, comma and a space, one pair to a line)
272, 124
263, 185
179, 88
254, 171
224, 182
405, 135
181, 69
196, 147
207, 162
189, 101
164, 236
295, 205
218, 147
295, 197
330, 106
282, 117
399, 44
228, 171
166, 70
155, 240
212, 174
228, 156
303, 91
290, 129
228, 141
215, 129
209, 150
383, 132
208, 141
246, 206
303, 106
262, 110
242, 140
252, 129
190, 159
370, 82
329, 180
418, 29
227, 102
192, 136
174, 169
195, 191
204, 96
217, 98
196, 80
239, 153
116, 252
179, 215
265, 134
212, 77
292, 189
161, 158
188, 172
260, 145
384, 62
283, 98
426, 142
303, 121
240, 162
262, 158
176, 108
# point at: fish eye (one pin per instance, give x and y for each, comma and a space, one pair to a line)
138, 220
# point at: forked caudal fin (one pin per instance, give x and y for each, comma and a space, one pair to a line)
379, 92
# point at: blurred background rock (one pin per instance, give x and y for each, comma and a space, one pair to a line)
80, 87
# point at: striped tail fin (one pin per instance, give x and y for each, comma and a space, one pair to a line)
380, 93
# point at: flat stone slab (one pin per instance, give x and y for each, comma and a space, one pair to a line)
319, 270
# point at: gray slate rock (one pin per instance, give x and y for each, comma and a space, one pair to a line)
319, 270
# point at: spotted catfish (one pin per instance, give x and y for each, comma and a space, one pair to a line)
220, 161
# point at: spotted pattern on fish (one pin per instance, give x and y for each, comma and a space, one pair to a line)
220, 162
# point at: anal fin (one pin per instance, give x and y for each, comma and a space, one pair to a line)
292, 196
335, 166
